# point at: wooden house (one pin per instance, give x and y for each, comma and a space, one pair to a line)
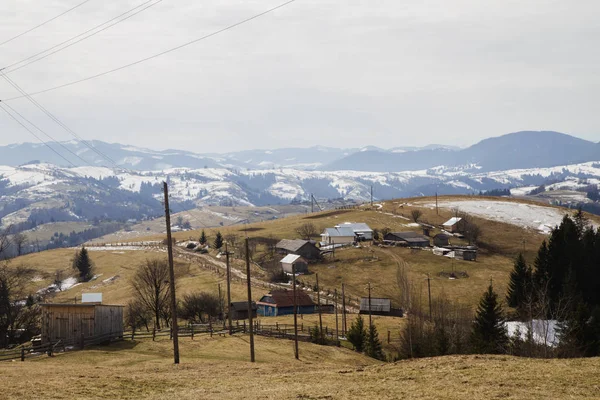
281, 302
410, 239
68, 322
305, 248
466, 254
454, 224
441, 240
294, 262
239, 310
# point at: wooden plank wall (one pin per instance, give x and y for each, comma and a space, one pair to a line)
109, 319
67, 322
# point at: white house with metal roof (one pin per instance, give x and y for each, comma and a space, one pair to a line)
294, 263
361, 230
341, 235
453, 224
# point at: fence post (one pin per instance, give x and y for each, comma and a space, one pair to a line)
244, 326
388, 336
192, 331
171, 333
132, 334
22, 354
153, 334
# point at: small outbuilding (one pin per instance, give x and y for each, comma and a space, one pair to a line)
239, 310
441, 240
466, 254
68, 322
410, 239
379, 306
305, 248
454, 224
294, 262
281, 302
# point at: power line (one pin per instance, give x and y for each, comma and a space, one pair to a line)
158, 54
49, 52
44, 23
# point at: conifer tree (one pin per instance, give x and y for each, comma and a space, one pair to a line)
489, 334
373, 344
203, 238
357, 334
83, 264
519, 286
218, 241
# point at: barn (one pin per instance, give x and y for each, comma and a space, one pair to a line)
281, 302
294, 263
239, 310
454, 224
441, 240
70, 321
411, 239
304, 248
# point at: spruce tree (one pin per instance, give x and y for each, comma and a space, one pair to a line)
203, 238
218, 241
489, 335
541, 274
357, 334
373, 345
83, 264
519, 287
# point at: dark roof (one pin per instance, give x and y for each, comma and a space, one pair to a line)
410, 237
285, 298
442, 235
80, 305
377, 304
242, 305
292, 245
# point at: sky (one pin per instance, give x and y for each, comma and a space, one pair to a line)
315, 72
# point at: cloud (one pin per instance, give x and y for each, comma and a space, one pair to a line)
315, 72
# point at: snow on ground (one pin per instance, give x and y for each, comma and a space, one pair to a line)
522, 191
115, 248
530, 216
544, 331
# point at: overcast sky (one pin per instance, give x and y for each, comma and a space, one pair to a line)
335, 73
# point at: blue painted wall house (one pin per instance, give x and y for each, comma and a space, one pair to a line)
281, 302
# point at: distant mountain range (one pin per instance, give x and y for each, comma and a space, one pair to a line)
527, 149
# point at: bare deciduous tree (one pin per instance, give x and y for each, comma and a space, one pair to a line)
307, 231
196, 306
137, 315
416, 215
232, 239
20, 240
5, 243
151, 287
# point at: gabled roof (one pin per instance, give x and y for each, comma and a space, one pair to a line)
356, 226
442, 236
291, 245
410, 237
242, 305
452, 221
285, 298
290, 259
342, 231
405, 235
377, 304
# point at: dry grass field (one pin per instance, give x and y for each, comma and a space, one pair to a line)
218, 368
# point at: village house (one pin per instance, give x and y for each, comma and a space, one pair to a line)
454, 224
294, 261
361, 230
409, 239
71, 322
441, 240
305, 248
281, 302
342, 235
239, 310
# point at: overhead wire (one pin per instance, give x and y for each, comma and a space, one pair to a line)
44, 23
244, 21
32, 59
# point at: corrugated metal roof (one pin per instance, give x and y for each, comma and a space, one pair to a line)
291, 244
242, 305
342, 231
290, 258
452, 221
377, 304
356, 226
285, 298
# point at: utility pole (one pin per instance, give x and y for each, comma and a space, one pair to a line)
436, 203
228, 291
371, 195
171, 278
319, 305
370, 317
296, 353
221, 305
337, 336
343, 311
312, 204
251, 328
429, 290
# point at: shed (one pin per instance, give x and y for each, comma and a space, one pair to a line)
454, 224
70, 321
412, 239
281, 302
361, 230
379, 306
441, 240
294, 261
342, 235
239, 310
304, 248
465, 254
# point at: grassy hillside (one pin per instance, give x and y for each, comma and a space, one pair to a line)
218, 368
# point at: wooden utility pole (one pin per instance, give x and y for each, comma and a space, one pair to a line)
250, 325
312, 204
221, 305
337, 336
436, 204
296, 353
228, 291
319, 305
343, 311
429, 290
370, 317
371, 195
175, 328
